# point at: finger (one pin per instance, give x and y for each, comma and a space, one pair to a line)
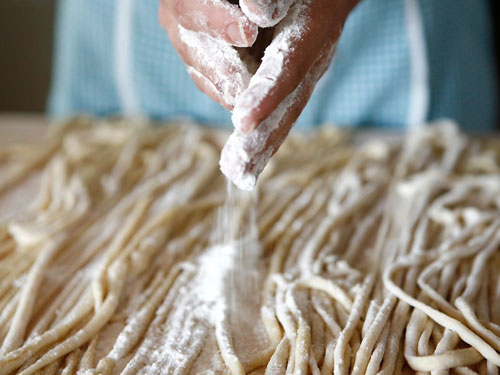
220, 63
298, 41
204, 85
298, 99
265, 13
217, 18
244, 156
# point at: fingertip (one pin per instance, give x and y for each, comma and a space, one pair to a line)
219, 19
241, 33
248, 127
236, 35
265, 13
242, 122
250, 31
206, 86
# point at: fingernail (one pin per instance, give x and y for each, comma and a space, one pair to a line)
242, 123
247, 127
236, 35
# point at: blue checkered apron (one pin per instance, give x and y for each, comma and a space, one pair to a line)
398, 62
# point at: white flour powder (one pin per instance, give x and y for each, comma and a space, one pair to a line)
265, 13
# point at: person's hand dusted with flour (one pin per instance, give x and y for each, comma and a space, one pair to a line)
266, 96
397, 64
204, 33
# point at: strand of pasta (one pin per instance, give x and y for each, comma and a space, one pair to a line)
371, 224
27, 298
464, 332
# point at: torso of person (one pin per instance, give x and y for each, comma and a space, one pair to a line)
399, 63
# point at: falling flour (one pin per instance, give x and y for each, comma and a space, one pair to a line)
218, 308
217, 305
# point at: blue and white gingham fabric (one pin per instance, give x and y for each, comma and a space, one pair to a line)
112, 57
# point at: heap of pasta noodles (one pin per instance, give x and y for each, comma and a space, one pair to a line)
126, 255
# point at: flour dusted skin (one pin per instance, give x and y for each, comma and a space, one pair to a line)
245, 155
232, 68
265, 13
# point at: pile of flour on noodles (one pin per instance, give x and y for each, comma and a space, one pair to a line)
350, 258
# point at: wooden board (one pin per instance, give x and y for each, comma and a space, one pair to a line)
20, 128
23, 128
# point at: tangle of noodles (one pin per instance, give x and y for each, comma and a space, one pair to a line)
129, 255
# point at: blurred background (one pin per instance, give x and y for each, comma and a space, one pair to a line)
26, 32
26, 42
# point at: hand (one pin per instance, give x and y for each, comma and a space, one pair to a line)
297, 57
205, 34
304, 40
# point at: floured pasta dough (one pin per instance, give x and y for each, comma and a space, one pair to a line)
133, 258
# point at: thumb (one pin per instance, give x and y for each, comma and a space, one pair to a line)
265, 13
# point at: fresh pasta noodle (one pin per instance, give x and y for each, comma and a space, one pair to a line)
131, 255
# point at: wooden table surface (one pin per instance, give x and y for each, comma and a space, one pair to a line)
20, 127
28, 128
